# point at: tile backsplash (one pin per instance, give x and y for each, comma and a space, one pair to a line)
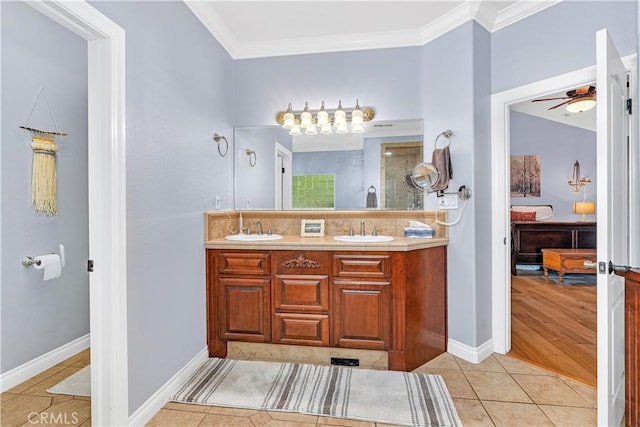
222, 223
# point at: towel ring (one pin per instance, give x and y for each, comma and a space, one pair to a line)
252, 157
217, 139
447, 134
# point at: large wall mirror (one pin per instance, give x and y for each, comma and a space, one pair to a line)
274, 170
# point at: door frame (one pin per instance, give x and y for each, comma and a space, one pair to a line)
500, 152
107, 204
284, 196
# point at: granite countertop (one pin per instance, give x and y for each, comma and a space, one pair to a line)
327, 243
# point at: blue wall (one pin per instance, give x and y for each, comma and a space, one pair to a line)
558, 146
179, 92
39, 316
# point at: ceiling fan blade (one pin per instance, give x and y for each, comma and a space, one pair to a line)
560, 105
549, 99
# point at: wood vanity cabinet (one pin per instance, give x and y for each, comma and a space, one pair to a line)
390, 301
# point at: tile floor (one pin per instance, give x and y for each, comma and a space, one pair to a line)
29, 403
500, 391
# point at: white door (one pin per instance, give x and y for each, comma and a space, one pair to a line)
612, 217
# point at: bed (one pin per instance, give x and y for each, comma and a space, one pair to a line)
533, 227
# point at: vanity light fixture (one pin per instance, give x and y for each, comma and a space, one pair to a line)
324, 121
576, 181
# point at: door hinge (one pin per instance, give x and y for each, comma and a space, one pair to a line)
629, 105
90, 266
282, 170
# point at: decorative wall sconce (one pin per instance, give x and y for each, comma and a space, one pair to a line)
252, 157
217, 138
576, 181
323, 120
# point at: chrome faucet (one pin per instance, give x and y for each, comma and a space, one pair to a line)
259, 232
374, 232
362, 232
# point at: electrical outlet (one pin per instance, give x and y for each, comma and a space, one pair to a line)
448, 201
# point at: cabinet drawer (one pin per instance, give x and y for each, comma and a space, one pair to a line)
301, 292
301, 262
303, 329
244, 263
362, 265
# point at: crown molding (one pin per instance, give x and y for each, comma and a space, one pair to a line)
483, 12
519, 11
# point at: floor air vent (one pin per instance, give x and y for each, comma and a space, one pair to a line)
340, 361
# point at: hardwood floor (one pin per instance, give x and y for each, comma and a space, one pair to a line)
554, 326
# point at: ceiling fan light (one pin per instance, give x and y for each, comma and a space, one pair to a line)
581, 105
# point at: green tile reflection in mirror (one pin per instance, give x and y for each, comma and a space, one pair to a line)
322, 196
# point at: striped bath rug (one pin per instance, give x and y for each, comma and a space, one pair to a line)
402, 398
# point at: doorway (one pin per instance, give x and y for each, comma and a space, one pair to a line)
283, 172
553, 323
107, 204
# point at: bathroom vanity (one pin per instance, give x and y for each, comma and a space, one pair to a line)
317, 292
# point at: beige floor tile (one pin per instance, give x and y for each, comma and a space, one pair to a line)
490, 364
5, 397
171, 418
69, 412
189, 407
16, 411
236, 412
224, 421
510, 414
517, 366
80, 360
295, 417
444, 361
40, 389
472, 413
496, 386
36, 379
87, 423
344, 422
549, 391
563, 416
260, 418
456, 382
588, 393
281, 423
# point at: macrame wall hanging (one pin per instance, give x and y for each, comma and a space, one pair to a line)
44, 197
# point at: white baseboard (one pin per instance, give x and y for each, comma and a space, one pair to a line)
151, 407
468, 353
33, 367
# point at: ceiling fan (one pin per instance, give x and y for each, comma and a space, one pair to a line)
577, 100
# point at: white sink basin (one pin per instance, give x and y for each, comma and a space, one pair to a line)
253, 237
363, 239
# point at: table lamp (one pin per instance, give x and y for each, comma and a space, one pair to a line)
584, 208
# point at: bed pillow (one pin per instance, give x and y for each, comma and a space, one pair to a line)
523, 216
543, 212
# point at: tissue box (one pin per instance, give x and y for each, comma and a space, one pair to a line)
421, 233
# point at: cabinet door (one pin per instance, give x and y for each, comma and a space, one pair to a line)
361, 314
244, 309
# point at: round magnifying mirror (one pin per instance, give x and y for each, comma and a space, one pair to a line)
425, 175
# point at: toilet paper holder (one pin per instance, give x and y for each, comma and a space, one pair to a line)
28, 261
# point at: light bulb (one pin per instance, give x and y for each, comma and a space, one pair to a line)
323, 117
311, 129
340, 118
357, 117
295, 130
326, 129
